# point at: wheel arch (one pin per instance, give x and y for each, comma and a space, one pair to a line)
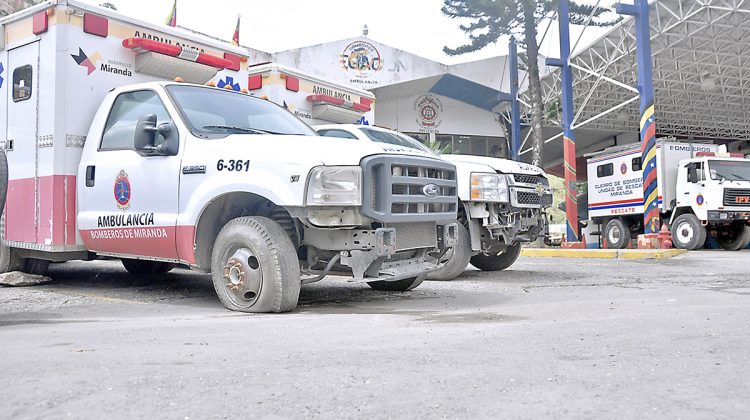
223, 208
679, 211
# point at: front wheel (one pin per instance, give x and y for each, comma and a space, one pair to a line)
734, 238
456, 259
398, 285
497, 262
254, 266
616, 234
688, 233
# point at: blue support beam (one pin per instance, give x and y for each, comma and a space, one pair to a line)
569, 140
651, 220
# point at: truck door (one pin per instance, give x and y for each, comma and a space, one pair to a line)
128, 203
21, 143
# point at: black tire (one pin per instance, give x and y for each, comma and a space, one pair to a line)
458, 257
35, 266
144, 267
687, 232
616, 234
734, 238
497, 262
9, 260
398, 285
254, 266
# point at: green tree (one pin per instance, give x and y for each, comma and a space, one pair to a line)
492, 19
11, 6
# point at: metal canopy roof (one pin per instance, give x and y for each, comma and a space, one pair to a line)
701, 63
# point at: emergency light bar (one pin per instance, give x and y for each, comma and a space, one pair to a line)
337, 110
724, 155
143, 45
330, 100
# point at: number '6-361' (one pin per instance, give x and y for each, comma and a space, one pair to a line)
233, 165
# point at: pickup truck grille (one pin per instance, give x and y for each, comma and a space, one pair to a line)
409, 189
530, 179
736, 198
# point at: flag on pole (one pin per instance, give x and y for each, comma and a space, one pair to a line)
236, 36
172, 18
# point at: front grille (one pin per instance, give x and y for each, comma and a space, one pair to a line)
397, 186
530, 179
736, 198
530, 198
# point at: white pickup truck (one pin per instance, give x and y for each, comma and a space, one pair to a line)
503, 203
109, 159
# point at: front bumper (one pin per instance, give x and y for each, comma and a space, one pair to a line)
389, 253
723, 216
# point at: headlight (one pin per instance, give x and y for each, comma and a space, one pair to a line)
335, 185
489, 187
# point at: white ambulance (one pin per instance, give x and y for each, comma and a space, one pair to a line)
107, 158
310, 98
701, 192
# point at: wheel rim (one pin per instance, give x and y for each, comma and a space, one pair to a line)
242, 277
614, 235
685, 232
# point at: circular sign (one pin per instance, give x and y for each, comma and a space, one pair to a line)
624, 168
428, 109
122, 190
700, 200
361, 57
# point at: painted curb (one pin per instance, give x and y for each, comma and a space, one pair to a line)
611, 254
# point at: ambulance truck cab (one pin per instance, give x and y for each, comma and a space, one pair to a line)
701, 192
108, 158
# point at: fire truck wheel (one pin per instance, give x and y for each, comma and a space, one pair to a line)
616, 234
688, 233
398, 285
456, 259
36, 266
497, 262
254, 266
734, 237
9, 260
143, 267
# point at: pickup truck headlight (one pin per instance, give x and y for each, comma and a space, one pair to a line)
335, 186
489, 187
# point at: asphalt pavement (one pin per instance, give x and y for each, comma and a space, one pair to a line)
547, 338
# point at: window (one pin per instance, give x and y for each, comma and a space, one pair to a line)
337, 133
605, 170
22, 82
119, 131
637, 164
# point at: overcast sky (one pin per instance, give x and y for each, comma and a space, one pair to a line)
416, 26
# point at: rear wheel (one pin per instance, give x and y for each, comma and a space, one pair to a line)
398, 285
734, 237
254, 266
616, 234
456, 259
497, 262
688, 233
144, 267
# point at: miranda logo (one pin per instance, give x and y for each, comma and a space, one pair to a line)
84, 61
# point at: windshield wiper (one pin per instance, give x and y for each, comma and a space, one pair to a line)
740, 178
235, 129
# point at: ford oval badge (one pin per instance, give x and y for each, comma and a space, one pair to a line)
431, 190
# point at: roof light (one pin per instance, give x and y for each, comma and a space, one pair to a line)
142, 45
178, 79
235, 60
40, 23
255, 82
330, 100
95, 25
292, 83
724, 155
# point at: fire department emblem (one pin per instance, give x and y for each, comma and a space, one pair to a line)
122, 190
624, 168
428, 109
361, 57
700, 200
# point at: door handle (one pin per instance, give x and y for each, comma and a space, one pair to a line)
90, 175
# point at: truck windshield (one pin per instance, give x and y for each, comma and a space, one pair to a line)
395, 139
731, 170
209, 111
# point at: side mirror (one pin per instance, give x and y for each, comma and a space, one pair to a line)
145, 133
692, 173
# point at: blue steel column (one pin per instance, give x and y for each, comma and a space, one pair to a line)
515, 113
639, 10
569, 140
